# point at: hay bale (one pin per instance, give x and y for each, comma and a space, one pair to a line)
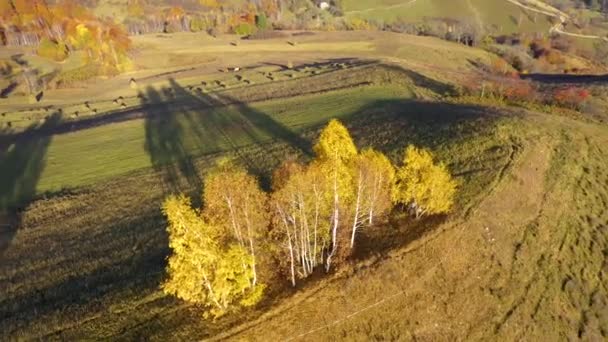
132, 83
203, 83
123, 105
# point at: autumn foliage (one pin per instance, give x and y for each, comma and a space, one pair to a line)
65, 27
572, 97
310, 220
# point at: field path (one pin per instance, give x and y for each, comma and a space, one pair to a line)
554, 13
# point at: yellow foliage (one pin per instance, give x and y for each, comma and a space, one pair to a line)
335, 143
235, 203
210, 3
427, 188
356, 24
376, 174
200, 269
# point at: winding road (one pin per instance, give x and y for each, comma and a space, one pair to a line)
529, 5
554, 13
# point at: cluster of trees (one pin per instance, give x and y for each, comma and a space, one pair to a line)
311, 219
62, 28
208, 15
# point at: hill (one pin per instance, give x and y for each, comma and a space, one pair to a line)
495, 16
522, 255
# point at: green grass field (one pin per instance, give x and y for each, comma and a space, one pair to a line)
497, 16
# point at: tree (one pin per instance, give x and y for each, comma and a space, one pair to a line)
373, 177
301, 206
261, 22
199, 269
334, 152
425, 187
235, 204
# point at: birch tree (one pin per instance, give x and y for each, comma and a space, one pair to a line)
199, 269
373, 179
235, 203
335, 151
424, 187
301, 208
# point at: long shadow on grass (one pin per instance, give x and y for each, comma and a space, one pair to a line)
21, 164
165, 141
132, 270
183, 124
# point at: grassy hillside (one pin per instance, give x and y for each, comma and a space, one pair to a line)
496, 16
523, 255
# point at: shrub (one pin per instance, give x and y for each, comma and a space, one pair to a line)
572, 97
554, 57
52, 50
519, 91
356, 24
244, 29
199, 24
261, 22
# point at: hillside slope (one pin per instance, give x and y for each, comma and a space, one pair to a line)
523, 255
496, 16
529, 262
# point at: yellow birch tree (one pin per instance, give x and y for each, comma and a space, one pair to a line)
425, 187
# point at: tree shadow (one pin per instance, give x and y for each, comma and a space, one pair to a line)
165, 141
423, 81
566, 79
136, 269
21, 164
5, 92
183, 123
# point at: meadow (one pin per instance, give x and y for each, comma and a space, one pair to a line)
500, 17
523, 254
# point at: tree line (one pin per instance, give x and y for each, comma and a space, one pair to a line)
311, 219
62, 28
